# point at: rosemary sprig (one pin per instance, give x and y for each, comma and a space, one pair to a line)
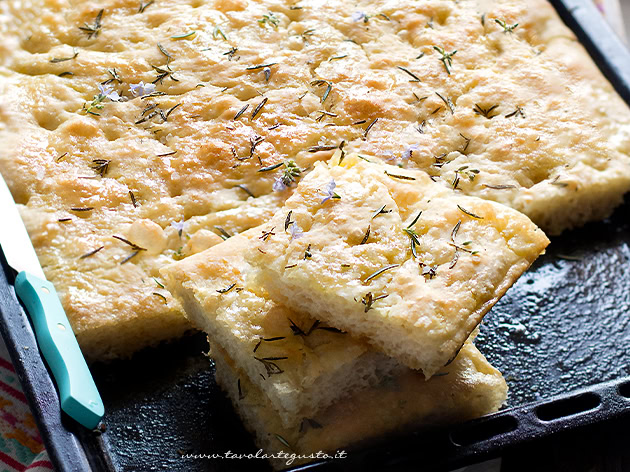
506, 28
91, 253
402, 177
144, 6
518, 111
368, 300
56, 60
413, 236
240, 112
320, 83
367, 235
270, 364
269, 19
259, 107
470, 213
448, 103
227, 289
409, 73
367, 130
447, 58
380, 271
184, 35
93, 30
485, 112
101, 166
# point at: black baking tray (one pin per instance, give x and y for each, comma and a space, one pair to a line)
561, 336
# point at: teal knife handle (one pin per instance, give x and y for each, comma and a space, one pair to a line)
78, 393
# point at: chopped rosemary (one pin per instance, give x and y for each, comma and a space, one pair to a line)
161, 75
269, 19
184, 35
129, 243
448, 103
218, 32
446, 59
287, 220
167, 154
470, 213
337, 57
171, 110
368, 300
367, 235
267, 234
240, 112
93, 30
380, 211
158, 283
101, 166
409, 73
161, 296
506, 28
226, 290
322, 148
268, 340
240, 392
380, 271
307, 253
499, 187
261, 66
253, 143
283, 441
259, 107
270, 365
413, 236
144, 6
57, 60
60, 158
169, 58
224, 234
429, 272
91, 253
319, 83
82, 208
402, 177
367, 130
485, 112
468, 140
518, 111
64, 220
271, 167
66, 73
245, 189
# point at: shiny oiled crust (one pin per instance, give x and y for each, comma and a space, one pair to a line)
468, 388
395, 258
555, 146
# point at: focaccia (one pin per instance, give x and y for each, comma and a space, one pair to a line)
388, 254
300, 364
468, 388
135, 133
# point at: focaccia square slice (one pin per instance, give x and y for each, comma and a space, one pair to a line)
467, 388
300, 364
388, 254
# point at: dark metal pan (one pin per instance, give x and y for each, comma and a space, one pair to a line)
561, 336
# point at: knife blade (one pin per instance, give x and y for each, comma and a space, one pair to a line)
78, 394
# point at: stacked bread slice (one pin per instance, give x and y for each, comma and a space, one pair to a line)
350, 313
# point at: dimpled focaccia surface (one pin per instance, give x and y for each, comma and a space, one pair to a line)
312, 74
300, 364
396, 258
467, 388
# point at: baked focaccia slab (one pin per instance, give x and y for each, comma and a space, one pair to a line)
300, 364
390, 255
467, 388
162, 122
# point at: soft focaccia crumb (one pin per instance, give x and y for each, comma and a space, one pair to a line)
467, 388
549, 136
301, 364
397, 258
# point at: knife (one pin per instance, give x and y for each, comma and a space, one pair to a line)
78, 394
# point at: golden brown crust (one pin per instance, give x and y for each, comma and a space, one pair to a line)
416, 279
335, 76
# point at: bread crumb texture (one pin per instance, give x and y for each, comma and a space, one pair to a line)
153, 121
